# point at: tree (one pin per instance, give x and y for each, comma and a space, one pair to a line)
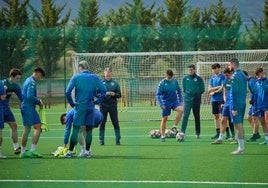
257, 36
13, 20
48, 36
220, 28
88, 33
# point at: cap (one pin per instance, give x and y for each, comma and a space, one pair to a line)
83, 64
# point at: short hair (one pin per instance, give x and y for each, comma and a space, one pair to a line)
40, 70
245, 72
83, 64
258, 71
227, 70
108, 69
14, 72
62, 118
169, 72
191, 66
215, 65
235, 61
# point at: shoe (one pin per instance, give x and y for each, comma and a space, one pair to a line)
101, 142
2, 156
251, 139
34, 154
117, 143
217, 142
81, 154
231, 139
216, 136
264, 142
237, 152
163, 139
87, 155
24, 155
234, 142
68, 155
17, 150
197, 136
174, 129
227, 137
257, 136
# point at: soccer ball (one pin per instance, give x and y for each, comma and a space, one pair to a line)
180, 137
155, 134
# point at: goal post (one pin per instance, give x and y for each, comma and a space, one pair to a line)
140, 73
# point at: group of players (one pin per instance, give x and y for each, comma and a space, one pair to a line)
228, 91
81, 119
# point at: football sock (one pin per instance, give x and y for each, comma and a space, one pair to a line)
23, 149
241, 144
220, 136
33, 147
266, 136
15, 145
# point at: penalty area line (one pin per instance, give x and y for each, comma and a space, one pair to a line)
135, 181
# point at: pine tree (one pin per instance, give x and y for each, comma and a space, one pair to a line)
257, 36
13, 20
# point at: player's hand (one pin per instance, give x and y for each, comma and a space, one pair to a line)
41, 104
234, 112
163, 107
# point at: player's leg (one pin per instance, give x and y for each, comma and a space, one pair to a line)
179, 112
196, 112
24, 138
114, 118
163, 127
216, 111
14, 135
87, 153
264, 125
102, 125
186, 113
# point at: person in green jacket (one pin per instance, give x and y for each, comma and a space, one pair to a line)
193, 88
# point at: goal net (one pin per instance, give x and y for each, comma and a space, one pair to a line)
140, 73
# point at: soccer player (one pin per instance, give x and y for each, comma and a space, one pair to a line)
67, 119
2, 98
169, 97
238, 94
12, 86
193, 88
29, 114
215, 87
261, 106
109, 106
252, 117
85, 85
226, 107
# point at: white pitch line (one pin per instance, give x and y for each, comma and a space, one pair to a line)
136, 181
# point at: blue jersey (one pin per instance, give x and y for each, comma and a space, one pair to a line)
29, 93
261, 99
238, 92
11, 88
214, 81
86, 86
168, 91
227, 86
69, 121
2, 92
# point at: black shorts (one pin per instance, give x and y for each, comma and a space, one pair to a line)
216, 107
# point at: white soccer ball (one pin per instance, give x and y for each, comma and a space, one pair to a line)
180, 137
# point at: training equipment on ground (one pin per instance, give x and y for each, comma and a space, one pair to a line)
140, 73
155, 134
180, 137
